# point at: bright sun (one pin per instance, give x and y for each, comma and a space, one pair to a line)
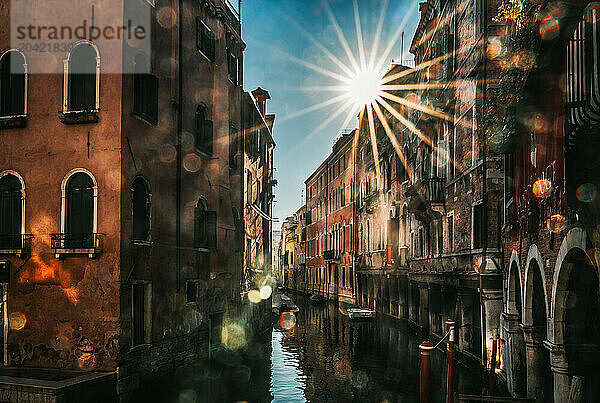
364, 87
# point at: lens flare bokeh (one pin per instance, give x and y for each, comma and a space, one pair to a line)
287, 320
17, 320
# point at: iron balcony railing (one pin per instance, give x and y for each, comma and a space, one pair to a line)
331, 254
432, 189
19, 242
75, 241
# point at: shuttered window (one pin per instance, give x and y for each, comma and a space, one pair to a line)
205, 229
80, 211
205, 39
139, 313
478, 226
141, 210
10, 212
191, 291
204, 131
12, 84
145, 91
82, 79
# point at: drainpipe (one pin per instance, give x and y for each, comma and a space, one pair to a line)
484, 196
178, 146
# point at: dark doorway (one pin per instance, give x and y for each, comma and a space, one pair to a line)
582, 326
544, 374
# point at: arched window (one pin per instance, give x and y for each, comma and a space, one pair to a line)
388, 172
204, 130
205, 227
145, 89
141, 200
361, 234
79, 211
368, 237
82, 79
249, 187
13, 87
11, 213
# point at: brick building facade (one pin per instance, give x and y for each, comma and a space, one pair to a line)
121, 255
329, 223
549, 321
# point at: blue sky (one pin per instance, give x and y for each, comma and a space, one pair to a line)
275, 32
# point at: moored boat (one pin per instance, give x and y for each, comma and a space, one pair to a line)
283, 303
317, 299
361, 314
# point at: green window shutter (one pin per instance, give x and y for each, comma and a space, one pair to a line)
211, 229
199, 33
207, 136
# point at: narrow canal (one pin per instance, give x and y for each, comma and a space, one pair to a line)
327, 358
323, 357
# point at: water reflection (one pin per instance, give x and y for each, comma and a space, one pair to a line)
326, 358
287, 380
323, 358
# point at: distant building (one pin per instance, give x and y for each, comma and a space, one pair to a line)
276, 241
287, 251
258, 183
329, 223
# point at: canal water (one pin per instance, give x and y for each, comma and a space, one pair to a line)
327, 358
322, 358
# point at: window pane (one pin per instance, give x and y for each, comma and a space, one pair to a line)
10, 212
82, 79
12, 85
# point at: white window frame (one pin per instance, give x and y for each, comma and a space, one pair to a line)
23, 194
66, 76
451, 243
25, 86
63, 203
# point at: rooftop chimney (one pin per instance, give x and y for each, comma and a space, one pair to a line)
260, 97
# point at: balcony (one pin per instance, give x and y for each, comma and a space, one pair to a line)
333, 255
15, 244
432, 189
76, 244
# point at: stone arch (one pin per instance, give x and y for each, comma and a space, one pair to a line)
535, 327
534, 260
575, 239
575, 328
515, 353
514, 287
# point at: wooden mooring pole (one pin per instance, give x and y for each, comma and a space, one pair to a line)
450, 359
425, 349
493, 363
